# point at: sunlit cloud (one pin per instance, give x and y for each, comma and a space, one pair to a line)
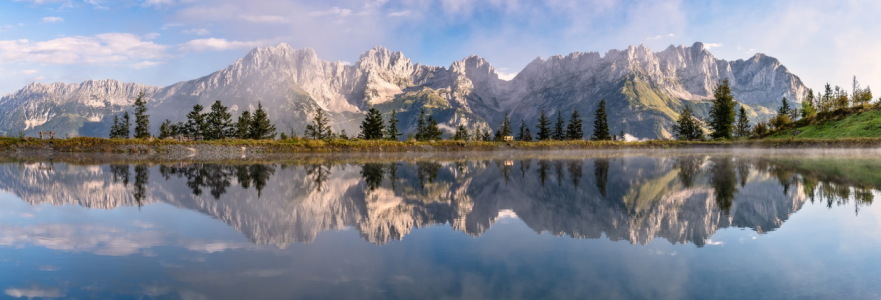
215, 44
97, 49
52, 20
34, 292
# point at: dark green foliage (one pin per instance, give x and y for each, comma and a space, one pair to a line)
808, 105
320, 127
722, 112
543, 128
575, 129
559, 134
118, 129
600, 124
243, 125
195, 122
142, 119
524, 134
166, 129
461, 133
485, 136
426, 128
742, 128
724, 181
784, 107
391, 130
372, 127
124, 129
261, 126
687, 127
218, 123
504, 129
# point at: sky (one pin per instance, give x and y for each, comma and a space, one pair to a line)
161, 42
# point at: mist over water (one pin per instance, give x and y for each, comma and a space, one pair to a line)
572, 224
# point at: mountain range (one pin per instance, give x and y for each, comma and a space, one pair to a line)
644, 91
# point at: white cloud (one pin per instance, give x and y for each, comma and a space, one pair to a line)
146, 64
29, 72
333, 11
168, 26
53, 20
159, 3
401, 13
661, 36
265, 19
506, 76
712, 45
215, 44
97, 49
34, 292
197, 31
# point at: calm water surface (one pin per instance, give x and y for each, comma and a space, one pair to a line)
569, 226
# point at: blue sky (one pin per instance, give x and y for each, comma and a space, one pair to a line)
164, 41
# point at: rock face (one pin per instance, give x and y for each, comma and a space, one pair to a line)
634, 199
68, 109
645, 91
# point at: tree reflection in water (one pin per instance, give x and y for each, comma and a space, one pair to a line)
217, 178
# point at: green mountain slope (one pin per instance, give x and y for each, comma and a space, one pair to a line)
859, 124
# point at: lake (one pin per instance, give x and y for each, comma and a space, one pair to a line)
521, 225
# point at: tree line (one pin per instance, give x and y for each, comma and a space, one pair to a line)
212, 125
727, 121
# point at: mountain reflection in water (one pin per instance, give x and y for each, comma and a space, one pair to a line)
683, 199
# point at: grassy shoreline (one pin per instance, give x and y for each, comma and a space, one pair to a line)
101, 145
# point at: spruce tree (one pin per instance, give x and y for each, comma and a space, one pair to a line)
261, 126
808, 106
722, 112
195, 122
600, 124
243, 125
784, 107
524, 134
559, 134
125, 129
391, 131
504, 129
320, 127
218, 123
686, 127
742, 128
421, 126
165, 130
432, 132
461, 133
142, 120
575, 129
543, 127
372, 127
114, 129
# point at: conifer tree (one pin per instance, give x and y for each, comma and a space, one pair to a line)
543, 127
742, 128
722, 111
486, 136
124, 130
524, 134
391, 131
432, 132
559, 134
575, 129
372, 127
261, 126
218, 123
600, 124
142, 120
114, 129
782, 118
165, 130
461, 133
195, 121
320, 127
421, 126
243, 125
504, 129
686, 127
808, 105
784, 107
